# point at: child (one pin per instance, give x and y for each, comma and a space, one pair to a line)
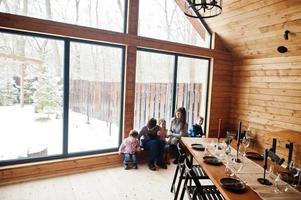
162, 133
129, 147
197, 130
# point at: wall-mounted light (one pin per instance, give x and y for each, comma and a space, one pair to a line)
286, 34
283, 49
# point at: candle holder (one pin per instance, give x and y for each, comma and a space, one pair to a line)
263, 180
238, 143
237, 158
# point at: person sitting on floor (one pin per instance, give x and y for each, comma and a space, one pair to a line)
130, 147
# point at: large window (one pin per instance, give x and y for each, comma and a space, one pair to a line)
170, 23
95, 97
104, 14
153, 92
192, 81
31, 97
40, 118
165, 82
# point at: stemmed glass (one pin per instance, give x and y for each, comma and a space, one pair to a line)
274, 177
296, 173
237, 166
245, 144
291, 166
228, 141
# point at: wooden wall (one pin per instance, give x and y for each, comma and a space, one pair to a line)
255, 28
46, 169
266, 84
221, 90
267, 98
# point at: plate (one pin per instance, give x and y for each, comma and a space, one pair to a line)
254, 156
212, 160
289, 178
198, 147
233, 184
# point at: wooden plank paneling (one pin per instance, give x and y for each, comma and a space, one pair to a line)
267, 98
254, 29
26, 172
221, 92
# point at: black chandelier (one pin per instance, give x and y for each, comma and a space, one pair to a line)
203, 8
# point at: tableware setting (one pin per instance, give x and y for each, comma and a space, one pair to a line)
254, 155
212, 160
197, 146
233, 184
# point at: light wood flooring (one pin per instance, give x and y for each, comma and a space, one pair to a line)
105, 184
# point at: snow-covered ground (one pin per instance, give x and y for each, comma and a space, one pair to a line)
23, 131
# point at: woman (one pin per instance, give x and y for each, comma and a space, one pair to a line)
151, 142
178, 128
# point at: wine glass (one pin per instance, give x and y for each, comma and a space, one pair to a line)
296, 173
245, 144
228, 170
274, 177
291, 166
237, 166
285, 176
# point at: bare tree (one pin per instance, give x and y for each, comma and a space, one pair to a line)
168, 19
77, 11
5, 5
20, 51
96, 13
57, 57
120, 8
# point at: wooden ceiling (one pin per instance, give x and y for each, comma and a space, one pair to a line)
255, 28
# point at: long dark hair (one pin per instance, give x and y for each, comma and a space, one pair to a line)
182, 110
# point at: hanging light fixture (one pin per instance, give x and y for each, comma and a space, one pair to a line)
203, 8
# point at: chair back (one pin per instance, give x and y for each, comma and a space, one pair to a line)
182, 153
193, 176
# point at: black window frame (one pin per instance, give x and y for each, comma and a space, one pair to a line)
66, 76
175, 73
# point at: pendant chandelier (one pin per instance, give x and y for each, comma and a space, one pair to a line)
203, 8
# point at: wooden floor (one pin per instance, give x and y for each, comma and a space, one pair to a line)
105, 184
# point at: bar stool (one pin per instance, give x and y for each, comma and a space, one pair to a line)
197, 191
200, 174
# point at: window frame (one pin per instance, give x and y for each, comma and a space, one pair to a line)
175, 73
65, 120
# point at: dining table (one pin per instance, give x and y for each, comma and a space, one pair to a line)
253, 170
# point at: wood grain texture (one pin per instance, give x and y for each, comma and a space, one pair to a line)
266, 98
220, 96
104, 184
46, 169
254, 29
